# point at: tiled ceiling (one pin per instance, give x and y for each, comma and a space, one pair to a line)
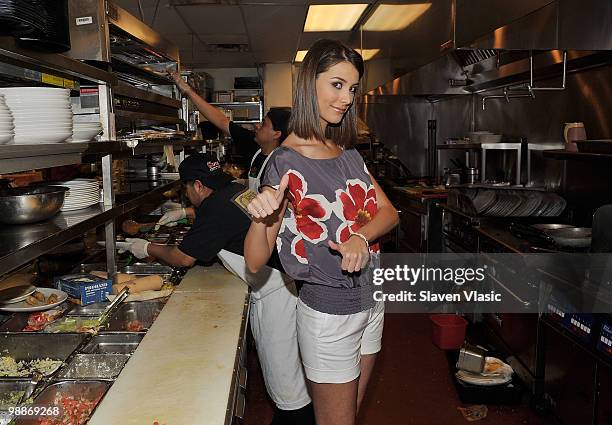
247, 33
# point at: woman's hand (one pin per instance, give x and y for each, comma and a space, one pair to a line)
269, 201
355, 253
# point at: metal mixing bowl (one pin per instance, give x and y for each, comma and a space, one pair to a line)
30, 204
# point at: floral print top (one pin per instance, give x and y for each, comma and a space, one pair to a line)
329, 200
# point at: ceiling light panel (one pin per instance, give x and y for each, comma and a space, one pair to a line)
368, 54
333, 17
394, 17
299, 56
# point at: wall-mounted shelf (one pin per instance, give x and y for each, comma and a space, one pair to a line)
584, 156
51, 63
23, 243
257, 107
16, 158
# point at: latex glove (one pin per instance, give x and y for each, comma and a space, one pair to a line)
170, 218
138, 247
169, 206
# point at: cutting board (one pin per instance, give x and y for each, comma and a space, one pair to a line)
182, 371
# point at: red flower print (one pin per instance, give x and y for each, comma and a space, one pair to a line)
355, 207
309, 210
298, 249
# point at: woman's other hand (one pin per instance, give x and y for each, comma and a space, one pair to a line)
355, 253
268, 201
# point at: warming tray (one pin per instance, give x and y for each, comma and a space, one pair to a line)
135, 316
27, 347
121, 343
90, 392
94, 366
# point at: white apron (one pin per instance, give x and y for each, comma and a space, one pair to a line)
254, 182
274, 326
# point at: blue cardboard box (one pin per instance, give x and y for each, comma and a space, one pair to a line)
85, 288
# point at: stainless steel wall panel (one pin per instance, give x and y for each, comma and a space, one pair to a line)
400, 123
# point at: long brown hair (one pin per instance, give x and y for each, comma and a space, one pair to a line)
305, 121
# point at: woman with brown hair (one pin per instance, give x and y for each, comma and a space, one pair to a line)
324, 211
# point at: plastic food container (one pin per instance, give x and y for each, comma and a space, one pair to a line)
448, 332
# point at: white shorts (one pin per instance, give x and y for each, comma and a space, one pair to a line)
332, 345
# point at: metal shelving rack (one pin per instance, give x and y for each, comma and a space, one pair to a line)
24, 67
258, 106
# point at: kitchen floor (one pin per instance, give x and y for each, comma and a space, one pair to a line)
411, 384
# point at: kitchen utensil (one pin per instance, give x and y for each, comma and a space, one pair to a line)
602, 236
452, 177
471, 175
571, 237
30, 204
571, 132
114, 305
471, 358
16, 293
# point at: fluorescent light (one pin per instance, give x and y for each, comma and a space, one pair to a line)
394, 17
368, 54
333, 17
299, 56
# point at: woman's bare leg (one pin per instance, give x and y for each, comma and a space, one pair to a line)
367, 365
335, 404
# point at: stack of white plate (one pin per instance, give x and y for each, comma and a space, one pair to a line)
82, 193
41, 114
6, 123
84, 131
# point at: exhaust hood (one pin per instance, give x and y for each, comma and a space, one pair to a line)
501, 58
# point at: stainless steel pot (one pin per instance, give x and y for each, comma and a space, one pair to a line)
30, 204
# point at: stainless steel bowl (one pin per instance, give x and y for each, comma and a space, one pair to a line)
30, 204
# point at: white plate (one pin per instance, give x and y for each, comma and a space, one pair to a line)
33, 90
80, 183
75, 208
25, 307
40, 139
84, 203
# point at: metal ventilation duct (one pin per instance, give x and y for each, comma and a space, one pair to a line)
501, 57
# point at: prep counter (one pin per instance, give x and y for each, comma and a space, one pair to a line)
189, 368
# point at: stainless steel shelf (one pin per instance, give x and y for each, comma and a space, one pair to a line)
52, 63
124, 89
16, 158
236, 104
142, 116
585, 156
24, 243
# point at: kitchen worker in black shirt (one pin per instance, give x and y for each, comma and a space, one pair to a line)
268, 135
219, 229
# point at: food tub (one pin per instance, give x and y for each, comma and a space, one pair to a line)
94, 366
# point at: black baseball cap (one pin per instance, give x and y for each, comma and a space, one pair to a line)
280, 120
205, 168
